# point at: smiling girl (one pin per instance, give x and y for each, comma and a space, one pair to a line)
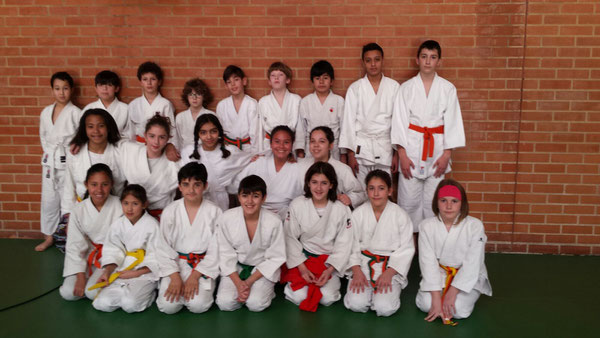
318, 239
148, 166
88, 227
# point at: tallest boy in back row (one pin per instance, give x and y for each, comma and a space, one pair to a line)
366, 125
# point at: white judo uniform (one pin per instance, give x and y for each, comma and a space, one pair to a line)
271, 115
439, 108
314, 114
158, 176
77, 167
242, 124
391, 237
367, 123
118, 110
140, 111
330, 235
282, 186
132, 294
88, 228
185, 126
220, 171
178, 238
55, 138
347, 183
265, 253
463, 247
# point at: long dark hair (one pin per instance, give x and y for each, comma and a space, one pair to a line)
98, 168
202, 120
327, 170
112, 136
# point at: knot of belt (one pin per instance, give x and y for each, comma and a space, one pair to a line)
373, 258
94, 257
191, 258
450, 273
139, 257
140, 139
238, 142
428, 142
246, 271
267, 135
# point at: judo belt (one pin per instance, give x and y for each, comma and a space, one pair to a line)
267, 136
238, 142
375, 259
155, 213
140, 139
450, 273
139, 257
428, 142
246, 271
192, 259
316, 265
79, 199
94, 257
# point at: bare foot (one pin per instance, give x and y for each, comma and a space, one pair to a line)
48, 241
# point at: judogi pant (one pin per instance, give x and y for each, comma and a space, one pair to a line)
384, 304
132, 295
464, 304
415, 197
200, 303
66, 289
331, 292
363, 170
261, 294
52, 190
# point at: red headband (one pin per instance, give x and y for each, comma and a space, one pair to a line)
449, 190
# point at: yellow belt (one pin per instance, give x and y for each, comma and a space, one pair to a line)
139, 257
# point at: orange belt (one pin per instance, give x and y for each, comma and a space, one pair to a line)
140, 139
427, 138
450, 273
267, 136
375, 259
94, 257
155, 213
191, 258
237, 142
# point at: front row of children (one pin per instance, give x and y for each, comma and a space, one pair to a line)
119, 255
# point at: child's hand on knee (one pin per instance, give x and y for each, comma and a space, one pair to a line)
359, 281
175, 288
191, 285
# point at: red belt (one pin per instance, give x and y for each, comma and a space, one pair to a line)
237, 142
316, 265
94, 257
375, 259
267, 136
427, 138
155, 213
140, 139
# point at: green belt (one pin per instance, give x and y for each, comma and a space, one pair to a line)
246, 271
309, 254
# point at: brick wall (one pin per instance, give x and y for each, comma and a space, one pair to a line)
527, 73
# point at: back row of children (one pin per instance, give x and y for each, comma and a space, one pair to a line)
372, 105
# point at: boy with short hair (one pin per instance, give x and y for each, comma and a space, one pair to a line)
321, 108
426, 129
279, 107
151, 102
251, 250
196, 96
108, 84
367, 117
188, 254
237, 112
58, 124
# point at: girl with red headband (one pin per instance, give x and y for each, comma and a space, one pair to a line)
451, 257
